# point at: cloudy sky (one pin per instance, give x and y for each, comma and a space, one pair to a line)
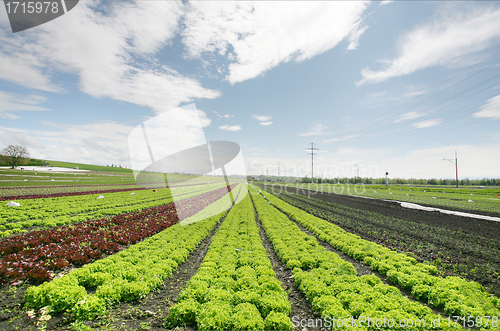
377, 86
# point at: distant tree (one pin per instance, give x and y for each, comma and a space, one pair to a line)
368, 181
15, 154
305, 180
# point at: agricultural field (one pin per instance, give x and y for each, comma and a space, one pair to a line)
479, 199
250, 165
458, 246
207, 256
51, 182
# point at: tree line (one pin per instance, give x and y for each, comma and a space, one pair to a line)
410, 181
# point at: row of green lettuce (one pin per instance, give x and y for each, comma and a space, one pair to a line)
331, 284
414, 237
51, 212
457, 296
460, 240
128, 275
235, 287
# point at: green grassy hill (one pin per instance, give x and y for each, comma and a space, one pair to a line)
90, 167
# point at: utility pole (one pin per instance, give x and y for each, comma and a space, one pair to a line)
455, 162
386, 181
311, 151
278, 170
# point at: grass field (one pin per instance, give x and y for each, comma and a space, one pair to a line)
116, 170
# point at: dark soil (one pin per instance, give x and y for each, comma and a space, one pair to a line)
148, 314
301, 308
458, 246
489, 229
12, 314
363, 269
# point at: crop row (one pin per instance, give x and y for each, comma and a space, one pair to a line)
67, 210
455, 295
128, 275
63, 206
458, 250
458, 199
235, 287
32, 256
55, 191
67, 193
461, 240
332, 285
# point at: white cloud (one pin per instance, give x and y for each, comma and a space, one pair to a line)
383, 97
262, 118
205, 121
408, 116
111, 53
230, 127
354, 37
49, 123
9, 116
257, 36
427, 123
448, 40
14, 138
223, 116
385, 2
491, 109
93, 143
12, 102
317, 130
339, 139
23, 67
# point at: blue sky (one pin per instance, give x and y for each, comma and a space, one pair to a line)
377, 86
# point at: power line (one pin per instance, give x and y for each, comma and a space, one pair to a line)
447, 119
390, 125
311, 151
436, 134
356, 134
455, 162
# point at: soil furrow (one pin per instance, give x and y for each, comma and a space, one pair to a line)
363, 269
488, 229
461, 259
479, 253
152, 311
301, 308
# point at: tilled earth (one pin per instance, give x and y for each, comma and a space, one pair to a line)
465, 249
150, 313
